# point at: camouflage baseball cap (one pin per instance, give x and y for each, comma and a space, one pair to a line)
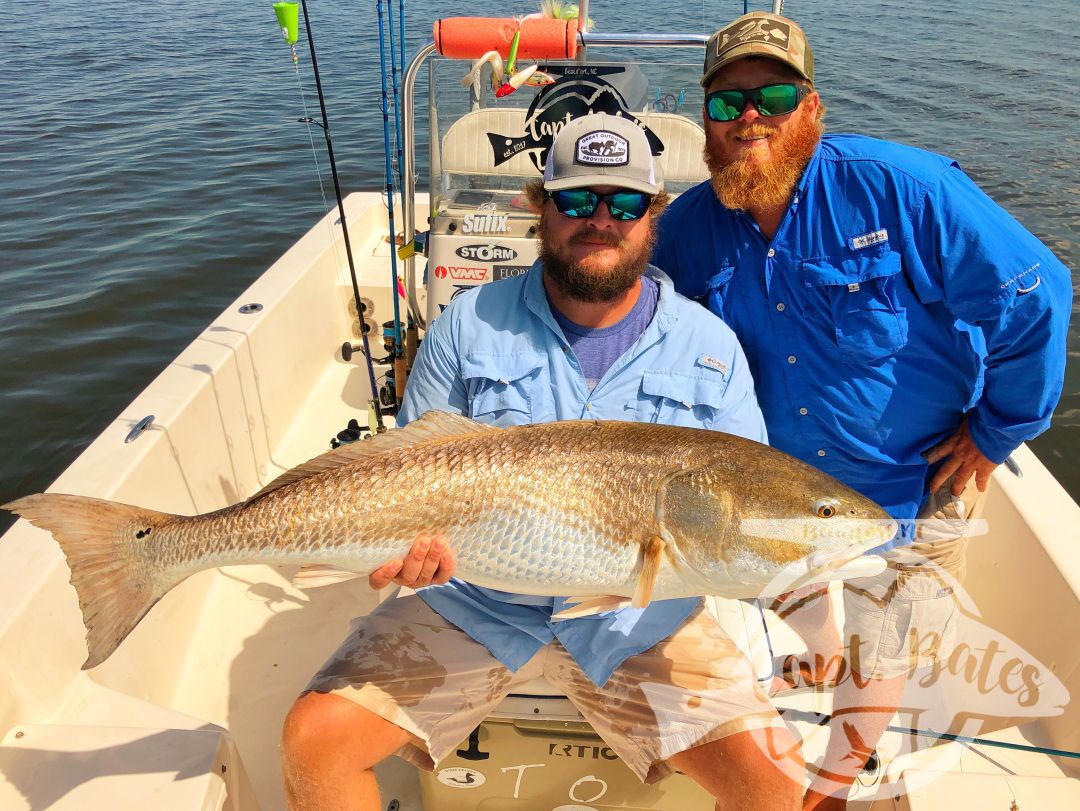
601, 150
759, 33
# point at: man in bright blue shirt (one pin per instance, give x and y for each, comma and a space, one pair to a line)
904, 332
590, 332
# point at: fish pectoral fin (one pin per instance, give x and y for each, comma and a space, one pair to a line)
317, 575
591, 606
652, 555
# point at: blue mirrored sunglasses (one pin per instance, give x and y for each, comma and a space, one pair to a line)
582, 203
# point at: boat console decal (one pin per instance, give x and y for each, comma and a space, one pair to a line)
487, 253
579, 90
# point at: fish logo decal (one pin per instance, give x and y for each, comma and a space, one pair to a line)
576, 93
767, 31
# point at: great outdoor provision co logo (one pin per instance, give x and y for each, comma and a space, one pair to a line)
602, 148
580, 91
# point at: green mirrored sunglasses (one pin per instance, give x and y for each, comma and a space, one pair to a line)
770, 100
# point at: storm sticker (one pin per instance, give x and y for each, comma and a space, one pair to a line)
486, 253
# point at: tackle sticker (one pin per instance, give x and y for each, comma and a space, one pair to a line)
508, 271
486, 253
461, 777
713, 363
486, 220
866, 240
602, 148
467, 274
458, 290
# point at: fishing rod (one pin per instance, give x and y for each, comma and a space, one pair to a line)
399, 355
822, 719
286, 14
398, 65
394, 83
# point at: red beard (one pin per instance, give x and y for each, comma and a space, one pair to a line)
744, 183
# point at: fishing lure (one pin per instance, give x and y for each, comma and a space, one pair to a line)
497, 70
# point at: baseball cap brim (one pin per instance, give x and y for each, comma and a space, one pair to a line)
584, 181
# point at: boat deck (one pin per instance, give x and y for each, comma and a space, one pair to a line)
255, 394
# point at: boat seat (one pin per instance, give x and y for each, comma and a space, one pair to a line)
466, 149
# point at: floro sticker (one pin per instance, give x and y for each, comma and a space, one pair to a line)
461, 777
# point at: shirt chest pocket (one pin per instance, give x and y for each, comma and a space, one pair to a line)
677, 398
501, 387
862, 295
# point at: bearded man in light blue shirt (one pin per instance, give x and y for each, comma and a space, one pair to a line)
590, 332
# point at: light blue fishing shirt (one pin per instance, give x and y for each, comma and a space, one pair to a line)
894, 297
497, 355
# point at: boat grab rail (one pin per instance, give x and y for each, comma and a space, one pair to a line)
408, 137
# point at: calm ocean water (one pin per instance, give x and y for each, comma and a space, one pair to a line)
151, 166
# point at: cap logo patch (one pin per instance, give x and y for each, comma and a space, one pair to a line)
769, 32
602, 148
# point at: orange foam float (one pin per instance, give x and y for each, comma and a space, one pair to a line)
471, 37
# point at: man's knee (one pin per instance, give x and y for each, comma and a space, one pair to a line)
321, 728
764, 766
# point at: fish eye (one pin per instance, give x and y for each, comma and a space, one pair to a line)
826, 508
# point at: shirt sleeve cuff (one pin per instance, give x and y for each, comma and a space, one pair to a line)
995, 444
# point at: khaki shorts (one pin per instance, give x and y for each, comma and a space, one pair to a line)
905, 617
407, 664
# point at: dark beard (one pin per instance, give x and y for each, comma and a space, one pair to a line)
742, 185
586, 285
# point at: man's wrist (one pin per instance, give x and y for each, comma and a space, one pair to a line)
994, 444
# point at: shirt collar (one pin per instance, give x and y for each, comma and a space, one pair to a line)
536, 299
809, 171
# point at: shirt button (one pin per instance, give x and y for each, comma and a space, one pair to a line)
790, 358
803, 411
821, 453
566, 349
771, 253
781, 307
588, 406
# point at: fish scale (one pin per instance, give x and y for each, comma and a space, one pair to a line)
586, 509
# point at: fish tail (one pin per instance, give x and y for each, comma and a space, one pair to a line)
101, 541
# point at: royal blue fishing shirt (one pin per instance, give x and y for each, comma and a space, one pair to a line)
894, 297
497, 355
